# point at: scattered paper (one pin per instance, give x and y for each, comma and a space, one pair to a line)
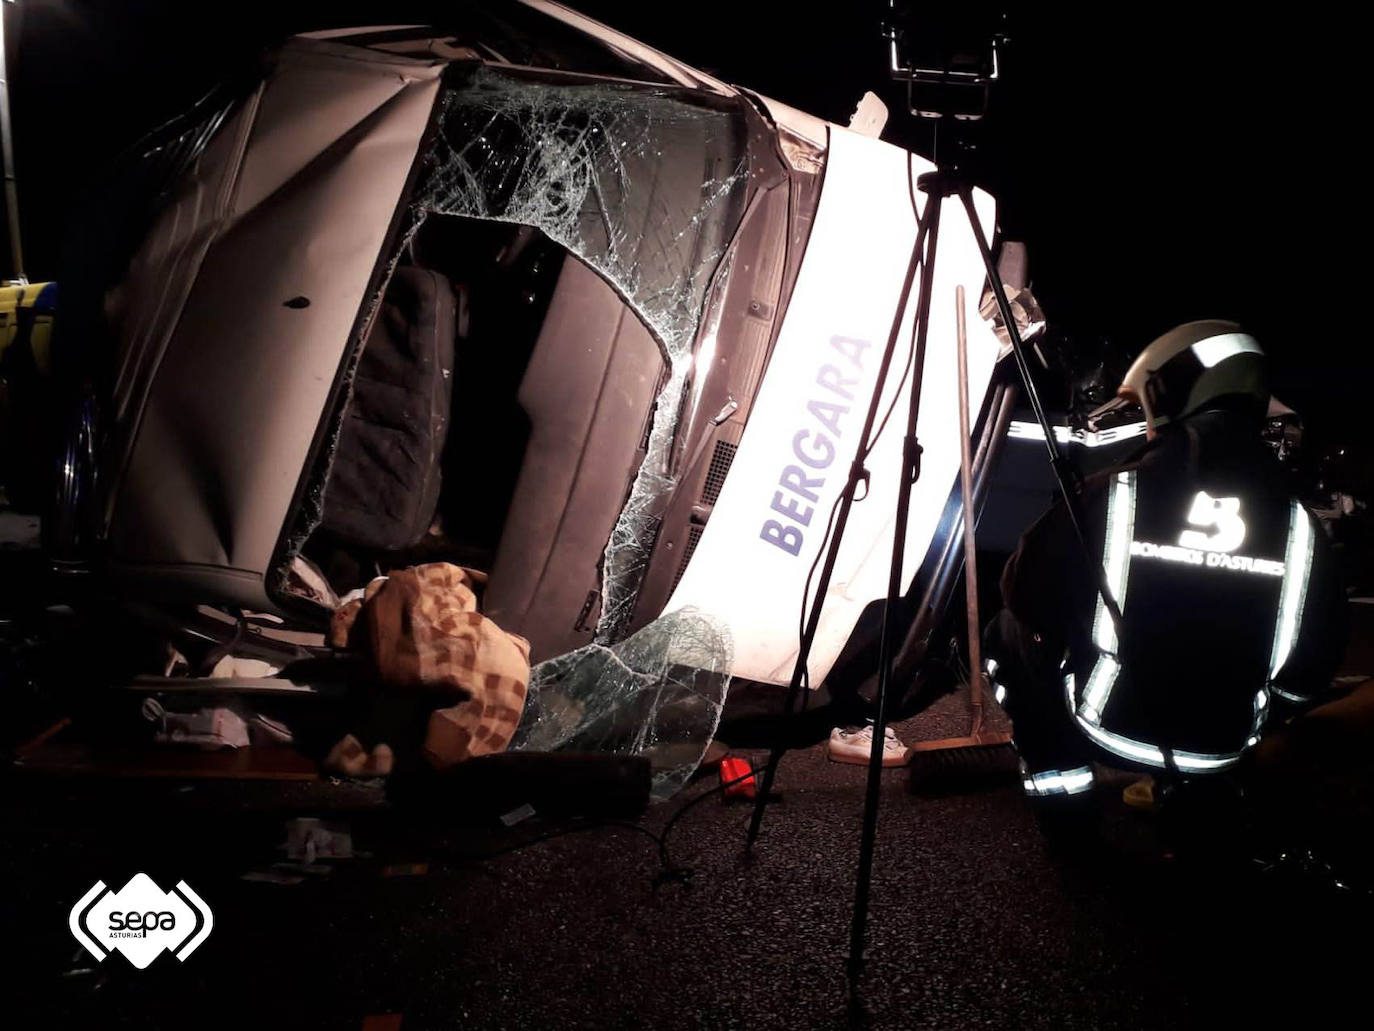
518, 815
310, 839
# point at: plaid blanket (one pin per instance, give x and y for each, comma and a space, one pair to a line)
422, 630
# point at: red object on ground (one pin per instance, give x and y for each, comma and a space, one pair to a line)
731, 770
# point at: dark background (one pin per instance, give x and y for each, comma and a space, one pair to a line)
1162, 165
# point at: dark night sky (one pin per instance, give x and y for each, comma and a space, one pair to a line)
1162, 166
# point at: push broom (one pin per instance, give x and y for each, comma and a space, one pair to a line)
982, 753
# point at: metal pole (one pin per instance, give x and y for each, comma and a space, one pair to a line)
975, 650
1066, 476
857, 473
7, 146
911, 472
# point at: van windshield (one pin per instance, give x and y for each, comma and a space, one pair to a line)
645, 185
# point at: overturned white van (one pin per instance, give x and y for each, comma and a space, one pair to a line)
519, 292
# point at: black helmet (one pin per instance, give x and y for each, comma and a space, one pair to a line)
1191, 366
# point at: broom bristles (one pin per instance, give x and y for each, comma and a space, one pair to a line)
963, 762
988, 739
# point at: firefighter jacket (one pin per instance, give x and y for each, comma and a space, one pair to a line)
1229, 596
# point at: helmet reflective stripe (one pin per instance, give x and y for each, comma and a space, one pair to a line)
1218, 348
1187, 367
1297, 568
1054, 782
1116, 559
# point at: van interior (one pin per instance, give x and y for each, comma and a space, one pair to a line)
499, 414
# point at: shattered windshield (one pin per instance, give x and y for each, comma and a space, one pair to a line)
659, 694
645, 186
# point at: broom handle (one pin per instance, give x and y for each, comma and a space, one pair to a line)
975, 647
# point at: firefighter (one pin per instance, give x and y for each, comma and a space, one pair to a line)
1231, 608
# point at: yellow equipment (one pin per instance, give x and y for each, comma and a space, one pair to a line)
26, 316
26, 313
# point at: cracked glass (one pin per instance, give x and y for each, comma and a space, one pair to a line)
658, 694
646, 185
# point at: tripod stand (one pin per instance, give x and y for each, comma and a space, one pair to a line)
937, 185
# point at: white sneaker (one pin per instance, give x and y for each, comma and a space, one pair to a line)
855, 744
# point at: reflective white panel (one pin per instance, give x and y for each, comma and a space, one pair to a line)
1297, 566
767, 528
1053, 782
1219, 348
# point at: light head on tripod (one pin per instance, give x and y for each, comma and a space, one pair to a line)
949, 59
